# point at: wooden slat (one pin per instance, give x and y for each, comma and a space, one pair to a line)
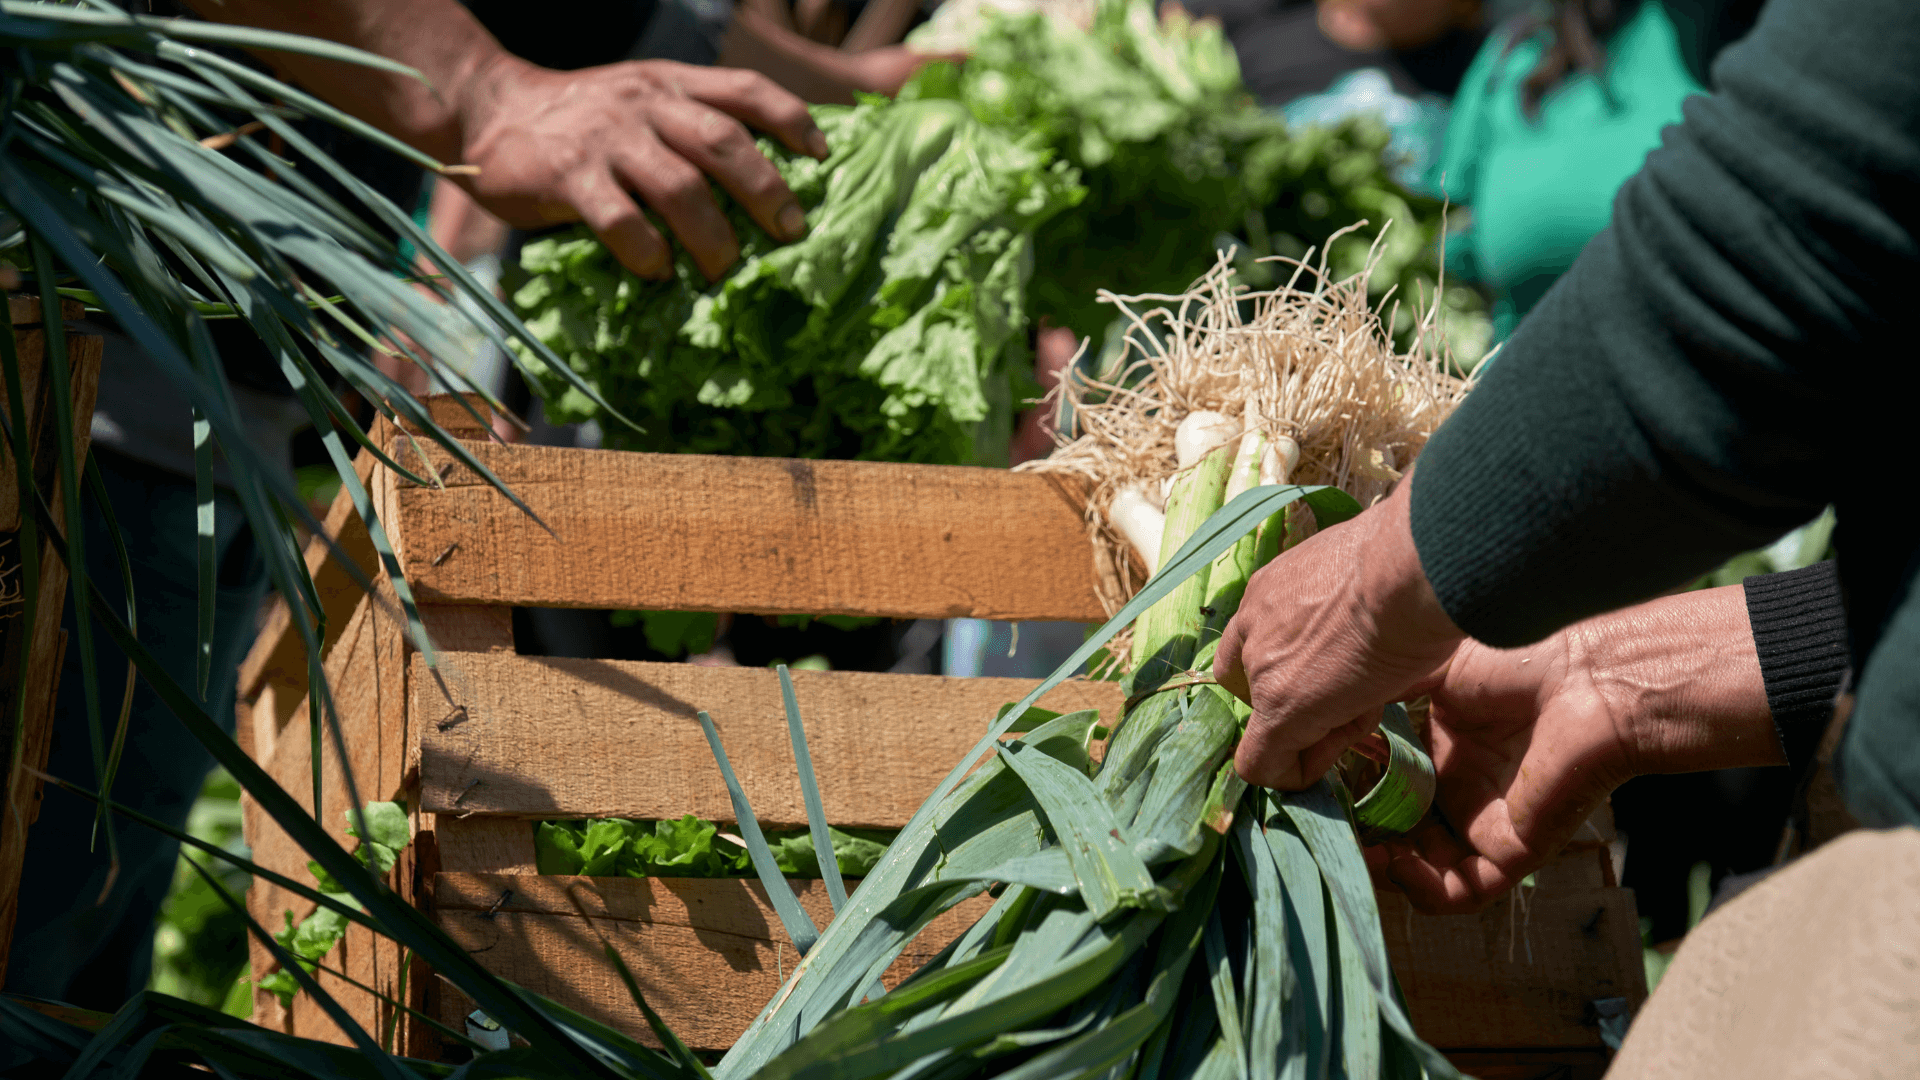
31, 346
695, 533
23, 794
289, 766
491, 845
278, 656
551, 737
1521, 973
25, 310
707, 953
83, 370
366, 672
468, 629
1588, 1064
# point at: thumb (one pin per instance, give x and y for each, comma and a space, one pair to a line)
1228, 671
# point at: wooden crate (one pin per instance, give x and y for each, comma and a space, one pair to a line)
524, 738
46, 648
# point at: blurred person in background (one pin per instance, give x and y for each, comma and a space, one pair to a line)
1562, 105
1324, 61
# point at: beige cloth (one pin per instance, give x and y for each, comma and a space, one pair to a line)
1814, 972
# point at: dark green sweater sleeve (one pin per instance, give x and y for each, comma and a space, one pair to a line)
1732, 354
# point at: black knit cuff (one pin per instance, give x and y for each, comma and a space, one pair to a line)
1800, 632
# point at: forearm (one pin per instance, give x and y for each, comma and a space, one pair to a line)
439, 38
816, 72
1681, 681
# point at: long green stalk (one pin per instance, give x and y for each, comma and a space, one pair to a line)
1167, 637
1227, 577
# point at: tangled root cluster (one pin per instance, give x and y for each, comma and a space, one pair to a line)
1310, 360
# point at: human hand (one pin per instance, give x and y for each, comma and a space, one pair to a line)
1328, 633
555, 146
1525, 747
1528, 742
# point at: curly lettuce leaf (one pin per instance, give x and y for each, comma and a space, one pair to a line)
895, 330
689, 847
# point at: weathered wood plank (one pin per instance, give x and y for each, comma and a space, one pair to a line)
707, 953
24, 791
463, 628
490, 845
1521, 973
550, 737
278, 657
367, 675
696, 533
25, 310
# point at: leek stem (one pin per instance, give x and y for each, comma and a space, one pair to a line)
1227, 577
1167, 636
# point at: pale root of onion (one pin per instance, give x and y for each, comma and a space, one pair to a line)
1159, 496
1278, 463
1201, 431
1140, 522
1247, 462
1276, 466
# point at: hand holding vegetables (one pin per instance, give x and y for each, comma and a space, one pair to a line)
1527, 742
554, 146
564, 146
1328, 633
892, 331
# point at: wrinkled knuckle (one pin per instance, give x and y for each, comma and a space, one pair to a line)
751, 83
680, 184
721, 137
765, 186
640, 75
791, 110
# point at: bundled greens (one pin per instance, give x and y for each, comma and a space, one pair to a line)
1177, 158
1158, 918
689, 847
891, 331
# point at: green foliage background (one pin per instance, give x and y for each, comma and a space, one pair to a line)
690, 847
200, 944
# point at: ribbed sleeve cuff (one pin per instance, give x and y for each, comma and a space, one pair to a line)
1800, 632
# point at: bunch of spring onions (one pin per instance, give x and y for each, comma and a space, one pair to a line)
1155, 917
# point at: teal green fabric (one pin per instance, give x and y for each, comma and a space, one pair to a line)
1540, 187
1731, 354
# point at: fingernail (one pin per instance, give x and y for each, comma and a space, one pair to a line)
793, 221
817, 144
